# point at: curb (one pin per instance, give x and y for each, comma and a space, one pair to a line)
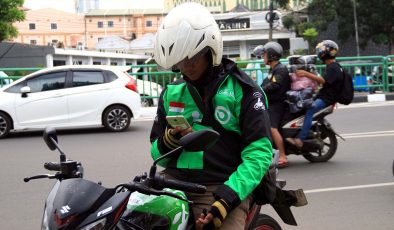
376, 97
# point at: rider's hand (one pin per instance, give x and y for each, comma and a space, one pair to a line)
171, 136
180, 131
215, 217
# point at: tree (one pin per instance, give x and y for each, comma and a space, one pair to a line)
10, 12
375, 19
310, 35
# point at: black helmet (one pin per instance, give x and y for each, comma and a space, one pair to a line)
327, 49
258, 52
274, 51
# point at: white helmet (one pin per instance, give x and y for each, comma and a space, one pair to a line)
185, 31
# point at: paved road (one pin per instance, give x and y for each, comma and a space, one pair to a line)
354, 190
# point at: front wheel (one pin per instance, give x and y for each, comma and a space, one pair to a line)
116, 118
265, 222
328, 149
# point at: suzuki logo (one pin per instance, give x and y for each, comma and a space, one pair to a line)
65, 209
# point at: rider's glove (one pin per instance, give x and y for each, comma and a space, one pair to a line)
170, 140
219, 210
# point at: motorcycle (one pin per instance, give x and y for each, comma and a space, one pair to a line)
321, 143
150, 201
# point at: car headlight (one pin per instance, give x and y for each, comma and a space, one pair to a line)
96, 225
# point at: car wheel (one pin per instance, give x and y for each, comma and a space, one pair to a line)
5, 125
146, 102
116, 118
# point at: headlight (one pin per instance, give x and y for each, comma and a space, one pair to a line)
97, 225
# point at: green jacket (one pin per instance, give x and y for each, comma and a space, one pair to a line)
243, 153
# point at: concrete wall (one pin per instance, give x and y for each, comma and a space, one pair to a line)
22, 55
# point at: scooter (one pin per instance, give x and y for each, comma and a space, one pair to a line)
321, 143
150, 201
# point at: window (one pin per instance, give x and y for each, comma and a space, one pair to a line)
148, 23
53, 26
33, 42
110, 24
99, 39
84, 78
100, 24
32, 26
45, 82
111, 76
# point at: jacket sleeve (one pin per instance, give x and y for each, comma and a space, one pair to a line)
158, 131
257, 151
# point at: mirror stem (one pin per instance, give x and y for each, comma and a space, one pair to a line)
62, 155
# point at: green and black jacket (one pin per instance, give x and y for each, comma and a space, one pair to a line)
243, 153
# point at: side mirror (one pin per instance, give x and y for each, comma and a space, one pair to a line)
25, 90
199, 140
50, 138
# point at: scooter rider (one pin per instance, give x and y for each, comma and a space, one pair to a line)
331, 81
189, 41
275, 86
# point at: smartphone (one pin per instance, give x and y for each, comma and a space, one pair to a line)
178, 121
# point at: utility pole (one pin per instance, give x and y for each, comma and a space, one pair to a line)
356, 27
271, 20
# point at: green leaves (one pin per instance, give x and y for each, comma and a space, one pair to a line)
10, 12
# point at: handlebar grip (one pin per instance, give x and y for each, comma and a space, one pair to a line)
52, 166
184, 186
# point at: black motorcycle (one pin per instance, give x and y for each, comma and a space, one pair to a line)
321, 142
150, 201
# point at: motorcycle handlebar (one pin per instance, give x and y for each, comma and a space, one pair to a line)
52, 166
183, 186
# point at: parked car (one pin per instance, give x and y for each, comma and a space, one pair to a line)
149, 91
70, 97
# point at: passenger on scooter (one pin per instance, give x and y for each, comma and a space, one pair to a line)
212, 93
275, 86
331, 81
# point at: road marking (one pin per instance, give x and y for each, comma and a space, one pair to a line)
348, 188
369, 134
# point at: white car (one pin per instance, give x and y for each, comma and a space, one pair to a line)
70, 97
149, 91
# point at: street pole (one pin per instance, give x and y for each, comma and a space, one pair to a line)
356, 27
271, 20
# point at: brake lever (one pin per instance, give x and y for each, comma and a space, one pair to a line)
49, 176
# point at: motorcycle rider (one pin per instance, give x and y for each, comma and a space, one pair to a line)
331, 81
189, 41
275, 86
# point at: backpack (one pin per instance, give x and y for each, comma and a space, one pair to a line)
346, 91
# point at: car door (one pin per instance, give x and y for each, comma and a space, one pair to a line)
45, 104
87, 96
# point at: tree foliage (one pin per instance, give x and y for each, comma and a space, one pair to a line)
374, 18
10, 12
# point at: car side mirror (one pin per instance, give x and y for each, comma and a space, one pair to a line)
25, 90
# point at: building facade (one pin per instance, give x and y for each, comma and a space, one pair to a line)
51, 27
